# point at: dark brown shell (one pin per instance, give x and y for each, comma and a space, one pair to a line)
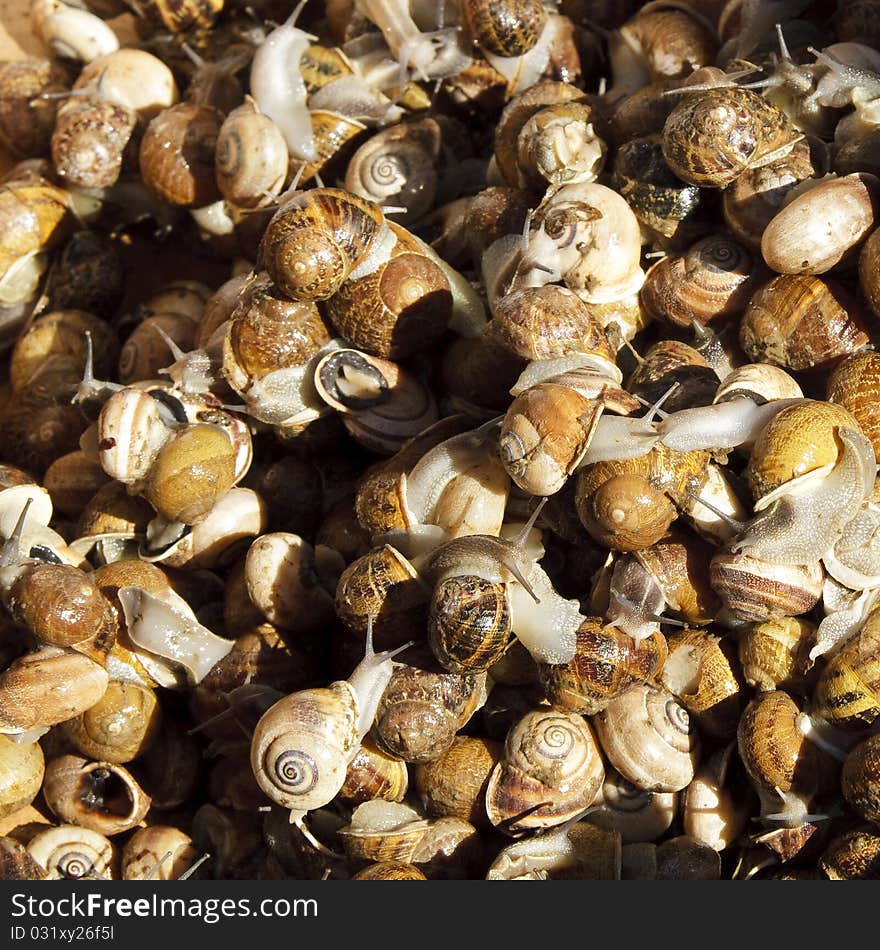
402, 308
62, 606
671, 361
469, 623
177, 155
178, 16
26, 120
800, 322
853, 856
712, 137
607, 662
506, 28
454, 785
860, 779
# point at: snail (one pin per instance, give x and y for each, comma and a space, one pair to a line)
72, 32
845, 694
860, 779
714, 809
303, 745
23, 769
774, 654
716, 134
853, 855
636, 815
68, 851
251, 157
372, 774
159, 852
90, 141
27, 118
132, 78
649, 738
552, 761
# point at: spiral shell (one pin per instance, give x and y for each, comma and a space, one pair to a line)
316, 239
21, 775
552, 760
398, 166
72, 852
89, 141
649, 738
372, 774
303, 744
755, 591
712, 281
847, 692
509, 28
855, 385
632, 812
853, 856
775, 654
26, 120
713, 136
251, 157
160, 852
469, 623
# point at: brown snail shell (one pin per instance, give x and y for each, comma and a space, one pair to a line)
48, 686
606, 663
679, 563
798, 440
119, 727
383, 585
649, 738
16, 863
72, 481
774, 654
823, 226
542, 323
190, 473
800, 322
100, 796
711, 281
26, 119
454, 785
860, 779
868, 268
372, 774
73, 852
755, 591
180, 17
853, 856
469, 623
399, 309
177, 155
506, 29
316, 239
336, 138
421, 711
63, 607
22, 774
89, 141
389, 871
712, 137
552, 760
855, 384
671, 361
636, 815
670, 41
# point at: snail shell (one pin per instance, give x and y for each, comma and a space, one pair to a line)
800, 322
860, 779
336, 137
510, 28
679, 563
775, 654
671, 42
179, 17
190, 473
177, 151
72, 852
798, 440
372, 774
551, 759
712, 281
382, 584
607, 662
316, 239
847, 692
89, 141
822, 226
715, 811
636, 815
854, 384
133, 78
398, 166
649, 738
559, 145
251, 157
400, 308
100, 796
713, 136
16, 863
421, 711
761, 382
26, 120
469, 623
159, 852
853, 856
755, 591
780, 761
702, 672
119, 727
22, 771
389, 871
454, 785
664, 204
87, 275
145, 353
868, 268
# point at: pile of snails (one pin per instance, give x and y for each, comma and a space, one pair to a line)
502, 500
